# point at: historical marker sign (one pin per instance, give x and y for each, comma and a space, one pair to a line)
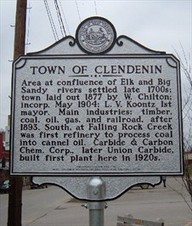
96, 114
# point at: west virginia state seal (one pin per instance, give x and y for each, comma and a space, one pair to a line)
95, 35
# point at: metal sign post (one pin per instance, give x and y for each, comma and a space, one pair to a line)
96, 191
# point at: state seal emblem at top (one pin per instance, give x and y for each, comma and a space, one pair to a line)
95, 35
